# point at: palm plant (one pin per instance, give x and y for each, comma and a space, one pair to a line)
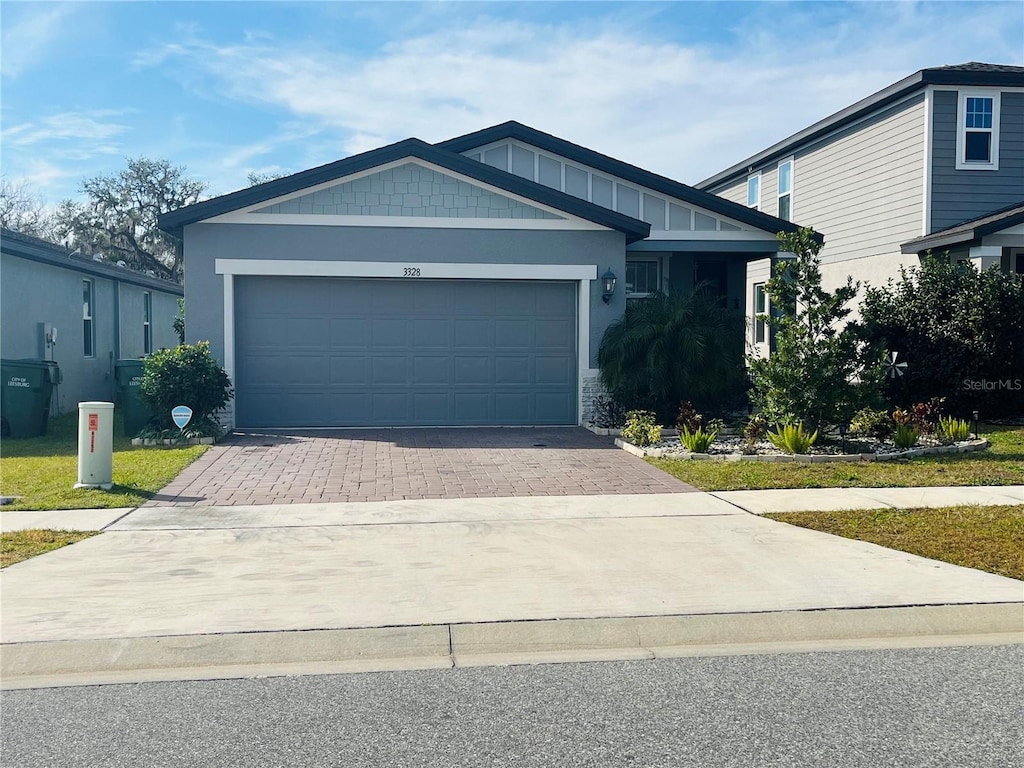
674, 347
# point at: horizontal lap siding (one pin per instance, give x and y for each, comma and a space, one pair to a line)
961, 195
863, 189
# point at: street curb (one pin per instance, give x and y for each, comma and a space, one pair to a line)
329, 651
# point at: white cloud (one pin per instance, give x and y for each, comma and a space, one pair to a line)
30, 33
67, 126
680, 109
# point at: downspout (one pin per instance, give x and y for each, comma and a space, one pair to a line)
117, 338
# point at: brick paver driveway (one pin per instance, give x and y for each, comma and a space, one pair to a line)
389, 464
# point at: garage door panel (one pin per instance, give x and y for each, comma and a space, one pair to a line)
390, 332
348, 408
512, 370
431, 408
432, 333
473, 333
552, 406
512, 407
428, 370
350, 369
346, 332
390, 408
472, 369
553, 370
472, 407
389, 352
390, 370
554, 334
511, 334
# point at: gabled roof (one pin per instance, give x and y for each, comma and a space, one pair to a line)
45, 252
634, 229
972, 73
613, 167
968, 231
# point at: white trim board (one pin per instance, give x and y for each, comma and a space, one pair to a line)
400, 269
581, 273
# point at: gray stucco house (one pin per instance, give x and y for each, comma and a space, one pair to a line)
81, 313
885, 177
459, 283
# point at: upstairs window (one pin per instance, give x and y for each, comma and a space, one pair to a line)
88, 331
786, 190
147, 325
977, 136
754, 191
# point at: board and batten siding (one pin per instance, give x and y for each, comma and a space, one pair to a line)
864, 188
961, 195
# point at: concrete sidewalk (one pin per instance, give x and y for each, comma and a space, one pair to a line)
281, 589
451, 510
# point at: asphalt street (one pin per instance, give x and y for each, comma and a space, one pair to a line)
934, 707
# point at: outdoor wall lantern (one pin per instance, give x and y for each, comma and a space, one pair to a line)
608, 283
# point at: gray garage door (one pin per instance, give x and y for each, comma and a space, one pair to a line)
322, 352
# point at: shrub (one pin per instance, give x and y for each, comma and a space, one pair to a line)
688, 418
951, 430
921, 416
697, 441
906, 436
608, 412
669, 348
956, 327
818, 372
871, 422
791, 438
185, 375
756, 429
641, 428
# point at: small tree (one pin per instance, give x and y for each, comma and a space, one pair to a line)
816, 373
674, 347
179, 321
960, 331
186, 375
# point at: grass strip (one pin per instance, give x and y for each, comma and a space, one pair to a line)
1002, 464
41, 471
21, 545
987, 538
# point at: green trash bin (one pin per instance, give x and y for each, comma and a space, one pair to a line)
27, 387
135, 412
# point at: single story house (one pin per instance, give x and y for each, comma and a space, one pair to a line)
467, 282
81, 313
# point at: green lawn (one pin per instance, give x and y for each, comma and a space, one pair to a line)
1002, 464
987, 538
42, 470
21, 545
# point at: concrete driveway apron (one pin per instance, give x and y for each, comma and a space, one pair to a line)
393, 464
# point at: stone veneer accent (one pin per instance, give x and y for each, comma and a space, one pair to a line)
409, 190
591, 388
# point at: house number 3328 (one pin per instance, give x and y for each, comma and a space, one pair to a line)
412, 271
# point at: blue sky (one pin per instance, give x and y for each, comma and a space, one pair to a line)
225, 88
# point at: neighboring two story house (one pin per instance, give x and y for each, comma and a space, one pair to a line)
463, 283
82, 314
935, 161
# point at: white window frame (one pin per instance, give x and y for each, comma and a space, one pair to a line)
88, 318
761, 326
961, 131
755, 177
645, 295
147, 323
792, 183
